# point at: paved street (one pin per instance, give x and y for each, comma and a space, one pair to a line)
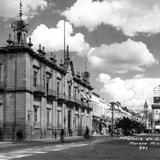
103, 148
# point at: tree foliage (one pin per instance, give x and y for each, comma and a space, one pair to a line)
129, 126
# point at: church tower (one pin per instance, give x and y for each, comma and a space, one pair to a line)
145, 113
145, 108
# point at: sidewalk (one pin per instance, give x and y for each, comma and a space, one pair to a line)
53, 140
2, 143
40, 141
12, 145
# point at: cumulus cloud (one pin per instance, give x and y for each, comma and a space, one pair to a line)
139, 76
132, 17
53, 38
10, 9
121, 57
130, 92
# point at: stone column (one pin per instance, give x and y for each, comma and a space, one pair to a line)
42, 117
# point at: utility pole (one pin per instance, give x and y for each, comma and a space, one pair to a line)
64, 34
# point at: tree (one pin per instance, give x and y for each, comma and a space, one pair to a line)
129, 125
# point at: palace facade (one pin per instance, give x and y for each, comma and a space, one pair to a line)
38, 95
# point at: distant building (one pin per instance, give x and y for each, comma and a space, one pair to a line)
121, 111
146, 114
38, 95
101, 114
156, 109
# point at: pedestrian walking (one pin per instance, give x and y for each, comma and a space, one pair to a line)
21, 135
87, 133
70, 132
1, 134
18, 135
62, 134
55, 134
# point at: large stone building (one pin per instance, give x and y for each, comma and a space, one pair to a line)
38, 95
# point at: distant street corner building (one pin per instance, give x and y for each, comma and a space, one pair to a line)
38, 95
156, 110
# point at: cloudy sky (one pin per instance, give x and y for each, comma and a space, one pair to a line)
119, 39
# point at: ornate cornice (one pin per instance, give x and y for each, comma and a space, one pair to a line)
23, 48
